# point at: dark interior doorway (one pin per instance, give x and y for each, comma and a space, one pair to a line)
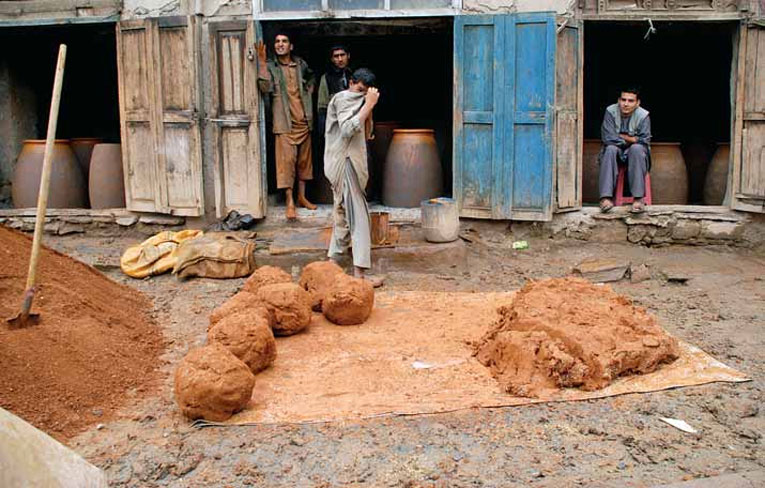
89, 106
412, 60
89, 98
684, 72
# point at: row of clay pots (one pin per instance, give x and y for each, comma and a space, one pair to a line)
69, 188
669, 176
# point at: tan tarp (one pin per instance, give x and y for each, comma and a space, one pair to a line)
155, 255
414, 356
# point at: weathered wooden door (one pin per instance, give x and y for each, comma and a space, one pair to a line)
159, 99
235, 120
504, 107
748, 151
568, 123
136, 95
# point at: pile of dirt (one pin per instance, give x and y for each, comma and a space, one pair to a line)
265, 275
95, 349
211, 383
289, 306
241, 302
349, 301
568, 332
248, 337
317, 277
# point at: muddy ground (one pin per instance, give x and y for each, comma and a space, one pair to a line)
615, 441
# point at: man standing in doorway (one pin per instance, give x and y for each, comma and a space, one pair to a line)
626, 135
290, 83
345, 166
333, 81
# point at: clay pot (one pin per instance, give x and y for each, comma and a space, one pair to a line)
107, 186
590, 170
413, 170
83, 148
669, 179
67, 183
717, 176
383, 134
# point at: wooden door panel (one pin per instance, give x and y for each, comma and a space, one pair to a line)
239, 182
568, 136
135, 80
178, 130
140, 167
748, 175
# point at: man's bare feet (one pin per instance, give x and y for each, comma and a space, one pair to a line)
291, 212
376, 281
302, 201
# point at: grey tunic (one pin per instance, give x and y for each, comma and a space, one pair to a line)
617, 151
345, 166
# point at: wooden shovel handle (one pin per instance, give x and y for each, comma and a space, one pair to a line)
42, 197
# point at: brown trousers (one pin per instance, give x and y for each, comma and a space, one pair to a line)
292, 158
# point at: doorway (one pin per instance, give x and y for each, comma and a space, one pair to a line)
412, 60
684, 72
89, 105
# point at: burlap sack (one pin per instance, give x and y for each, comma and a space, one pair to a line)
215, 255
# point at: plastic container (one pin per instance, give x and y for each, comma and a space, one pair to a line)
440, 220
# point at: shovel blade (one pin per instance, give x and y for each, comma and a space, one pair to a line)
23, 320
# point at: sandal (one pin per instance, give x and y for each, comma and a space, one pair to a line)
637, 207
606, 205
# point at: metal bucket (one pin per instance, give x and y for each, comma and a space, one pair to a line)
440, 220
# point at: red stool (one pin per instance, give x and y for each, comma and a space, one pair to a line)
620, 199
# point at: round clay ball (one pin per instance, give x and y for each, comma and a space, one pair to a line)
289, 305
266, 275
349, 301
248, 337
242, 302
211, 383
316, 278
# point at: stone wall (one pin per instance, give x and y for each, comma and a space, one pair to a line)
506, 6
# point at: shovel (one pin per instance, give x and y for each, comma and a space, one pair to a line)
25, 318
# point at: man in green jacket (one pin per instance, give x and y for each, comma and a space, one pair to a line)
290, 83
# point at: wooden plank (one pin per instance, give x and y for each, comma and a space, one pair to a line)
749, 173
256, 169
739, 87
134, 91
567, 120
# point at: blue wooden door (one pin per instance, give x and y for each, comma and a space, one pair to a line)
504, 102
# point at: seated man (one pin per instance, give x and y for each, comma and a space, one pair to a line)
626, 135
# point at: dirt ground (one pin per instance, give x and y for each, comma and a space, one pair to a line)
614, 441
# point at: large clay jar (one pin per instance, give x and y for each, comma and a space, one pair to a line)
696, 153
590, 170
413, 170
669, 179
107, 186
383, 134
83, 148
717, 176
67, 183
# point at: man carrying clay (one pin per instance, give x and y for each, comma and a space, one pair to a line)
626, 135
345, 166
290, 83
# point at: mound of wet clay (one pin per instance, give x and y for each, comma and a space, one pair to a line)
248, 337
289, 306
211, 383
349, 301
317, 277
265, 275
568, 332
242, 302
95, 349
